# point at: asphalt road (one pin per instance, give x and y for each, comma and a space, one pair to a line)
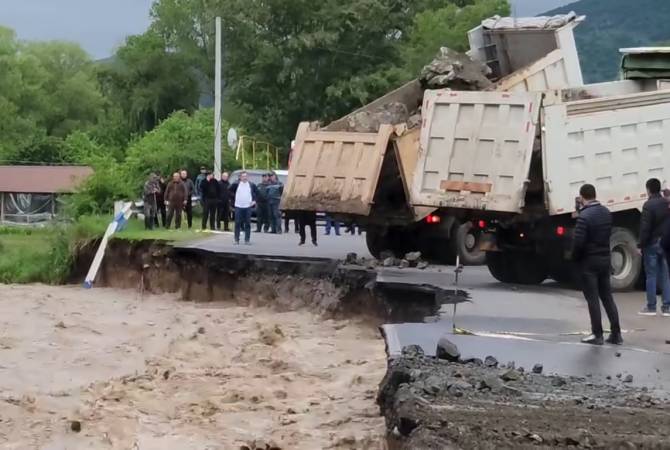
536, 323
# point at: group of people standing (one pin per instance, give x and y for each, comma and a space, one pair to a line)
591, 249
171, 199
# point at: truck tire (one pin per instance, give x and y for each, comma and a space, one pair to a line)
626, 260
374, 238
528, 268
466, 239
499, 265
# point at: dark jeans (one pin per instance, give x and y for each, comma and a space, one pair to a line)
176, 212
209, 209
262, 217
275, 216
656, 270
223, 215
188, 209
596, 287
162, 213
243, 222
306, 219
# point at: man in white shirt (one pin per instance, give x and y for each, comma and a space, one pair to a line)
245, 200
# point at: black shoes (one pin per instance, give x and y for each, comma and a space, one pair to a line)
614, 339
593, 340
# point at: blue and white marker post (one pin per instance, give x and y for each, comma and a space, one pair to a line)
117, 224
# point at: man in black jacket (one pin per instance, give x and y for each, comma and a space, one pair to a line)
591, 249
655, 214
210, 192
224, 203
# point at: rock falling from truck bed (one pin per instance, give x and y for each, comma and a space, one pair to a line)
454, 70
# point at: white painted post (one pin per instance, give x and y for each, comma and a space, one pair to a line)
217, 102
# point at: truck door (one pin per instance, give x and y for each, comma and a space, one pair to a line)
476, 149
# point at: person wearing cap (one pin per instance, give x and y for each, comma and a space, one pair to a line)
211, 193
202, 176
275, 190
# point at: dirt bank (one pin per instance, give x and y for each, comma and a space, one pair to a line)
433, 404
154, 372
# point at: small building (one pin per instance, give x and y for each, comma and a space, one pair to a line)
30, 194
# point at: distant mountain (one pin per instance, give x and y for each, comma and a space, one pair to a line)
614, 24
528, 8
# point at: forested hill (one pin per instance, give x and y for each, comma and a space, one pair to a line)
614, 24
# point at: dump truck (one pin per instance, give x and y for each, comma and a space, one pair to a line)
364, 166
513, 163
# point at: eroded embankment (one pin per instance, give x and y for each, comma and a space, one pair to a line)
323, 286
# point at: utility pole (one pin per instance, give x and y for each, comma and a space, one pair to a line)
217, 102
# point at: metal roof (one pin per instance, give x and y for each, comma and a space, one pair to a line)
42, 179
497, 23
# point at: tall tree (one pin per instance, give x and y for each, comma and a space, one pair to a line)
292, 60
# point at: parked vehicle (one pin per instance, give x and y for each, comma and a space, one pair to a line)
373, 178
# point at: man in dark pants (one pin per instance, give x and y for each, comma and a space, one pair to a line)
262, 208
655, 214
160, 200
224, 203
591, 250
275, 191
190, 189
210, 192
307, 218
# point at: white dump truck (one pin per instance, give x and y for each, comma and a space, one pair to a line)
513, 163
377, 178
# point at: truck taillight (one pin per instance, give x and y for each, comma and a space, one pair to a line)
560, 231
481, 224
432, 218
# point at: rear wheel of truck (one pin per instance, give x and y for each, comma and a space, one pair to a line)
374, 238
626, 260
500, 267
529, 268
466, 239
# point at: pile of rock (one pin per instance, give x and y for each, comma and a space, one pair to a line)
411, 259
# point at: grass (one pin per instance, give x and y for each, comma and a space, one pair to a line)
45, 255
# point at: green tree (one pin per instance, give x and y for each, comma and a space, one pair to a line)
291, 60
148, 81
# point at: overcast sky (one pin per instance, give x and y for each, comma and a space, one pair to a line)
101, 25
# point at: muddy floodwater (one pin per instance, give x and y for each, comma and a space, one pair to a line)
108, 369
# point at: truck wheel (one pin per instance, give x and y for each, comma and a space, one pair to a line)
500, 267
467, 244
626, 261
374, 238
529, 268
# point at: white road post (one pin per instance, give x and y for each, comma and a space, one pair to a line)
217, 102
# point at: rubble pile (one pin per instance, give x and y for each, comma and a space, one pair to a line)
411, 259
469, 403
457, 71
449, 70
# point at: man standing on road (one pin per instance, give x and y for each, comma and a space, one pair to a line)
150, 199
160, 200
275, 191
307, 218
190, 189
211, 193
591, 250
245, 198
262, 210
224, 203
175, 200
655, 214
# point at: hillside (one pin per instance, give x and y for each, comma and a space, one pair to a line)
614, 24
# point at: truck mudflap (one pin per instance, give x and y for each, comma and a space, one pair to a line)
476, 150
335, 172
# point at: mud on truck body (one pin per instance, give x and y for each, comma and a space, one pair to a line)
372, 177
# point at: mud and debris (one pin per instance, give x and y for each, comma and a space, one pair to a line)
434, 403
457, 71
133, 371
